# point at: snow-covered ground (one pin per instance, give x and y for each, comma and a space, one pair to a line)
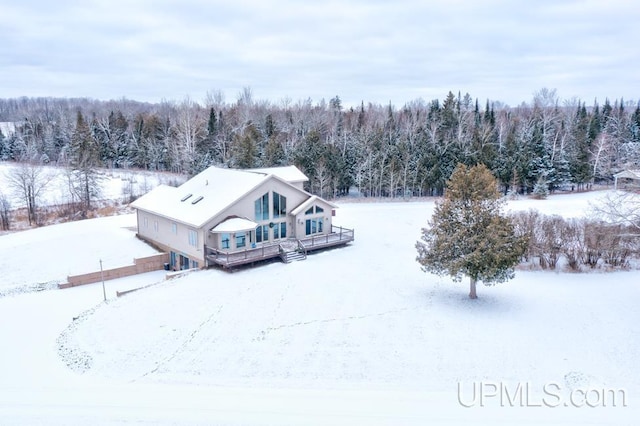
44, 257
356, 335
115, 184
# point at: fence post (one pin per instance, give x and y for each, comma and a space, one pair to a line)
104, 292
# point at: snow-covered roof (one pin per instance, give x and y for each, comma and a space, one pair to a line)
201, 197
235, 224
289, 174
309, 202
630, 174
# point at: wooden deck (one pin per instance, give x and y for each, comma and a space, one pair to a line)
338, 236
229, 259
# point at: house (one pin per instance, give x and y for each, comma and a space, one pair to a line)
232, 217
633, 175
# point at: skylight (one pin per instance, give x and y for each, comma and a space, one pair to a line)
186, 197
197, 199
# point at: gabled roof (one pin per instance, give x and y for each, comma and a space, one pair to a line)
201, 197
309, 202
630, 174
289, 174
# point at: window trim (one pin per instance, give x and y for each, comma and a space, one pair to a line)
225, 241
240, 237
193, 238
261, 209
279, 205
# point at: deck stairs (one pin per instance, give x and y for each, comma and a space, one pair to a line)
292, 251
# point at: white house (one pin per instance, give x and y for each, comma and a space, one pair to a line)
232, 217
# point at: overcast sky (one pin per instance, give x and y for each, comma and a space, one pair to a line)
373, 51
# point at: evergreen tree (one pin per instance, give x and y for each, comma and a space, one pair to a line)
269, 126
274, 154
579, 161
507, 161
541, 188
635, 125
468, 235
3, 149
245, 148
205, 147
118, 126
84, 160
307, 156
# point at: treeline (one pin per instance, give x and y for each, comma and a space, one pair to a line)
379, 149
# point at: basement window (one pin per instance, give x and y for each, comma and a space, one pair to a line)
186, 197
197, 200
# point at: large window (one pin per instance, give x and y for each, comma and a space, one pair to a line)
313, 226
262, 207
193, 238
241, 239
279, 205
262, 233
280, 230
225, 241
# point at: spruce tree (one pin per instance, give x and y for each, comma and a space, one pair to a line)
468, 235
84, 159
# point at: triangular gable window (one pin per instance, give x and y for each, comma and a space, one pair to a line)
312, 211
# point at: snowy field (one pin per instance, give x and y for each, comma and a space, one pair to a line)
356, 335
43, 257
115, 184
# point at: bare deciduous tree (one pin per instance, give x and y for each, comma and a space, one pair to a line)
29, 181
619, 208
5, 208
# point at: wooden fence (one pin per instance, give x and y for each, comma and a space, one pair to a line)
141, 265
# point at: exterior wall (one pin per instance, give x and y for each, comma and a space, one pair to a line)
327, 217
246, 208
160, 230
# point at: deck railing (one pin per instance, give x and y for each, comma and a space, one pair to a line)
338, 235
228, 258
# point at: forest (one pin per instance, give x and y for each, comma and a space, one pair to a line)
377, 150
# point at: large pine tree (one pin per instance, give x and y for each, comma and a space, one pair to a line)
468, 235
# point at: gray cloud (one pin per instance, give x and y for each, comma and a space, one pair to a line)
373, 51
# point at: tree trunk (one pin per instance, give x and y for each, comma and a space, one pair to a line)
472, 288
